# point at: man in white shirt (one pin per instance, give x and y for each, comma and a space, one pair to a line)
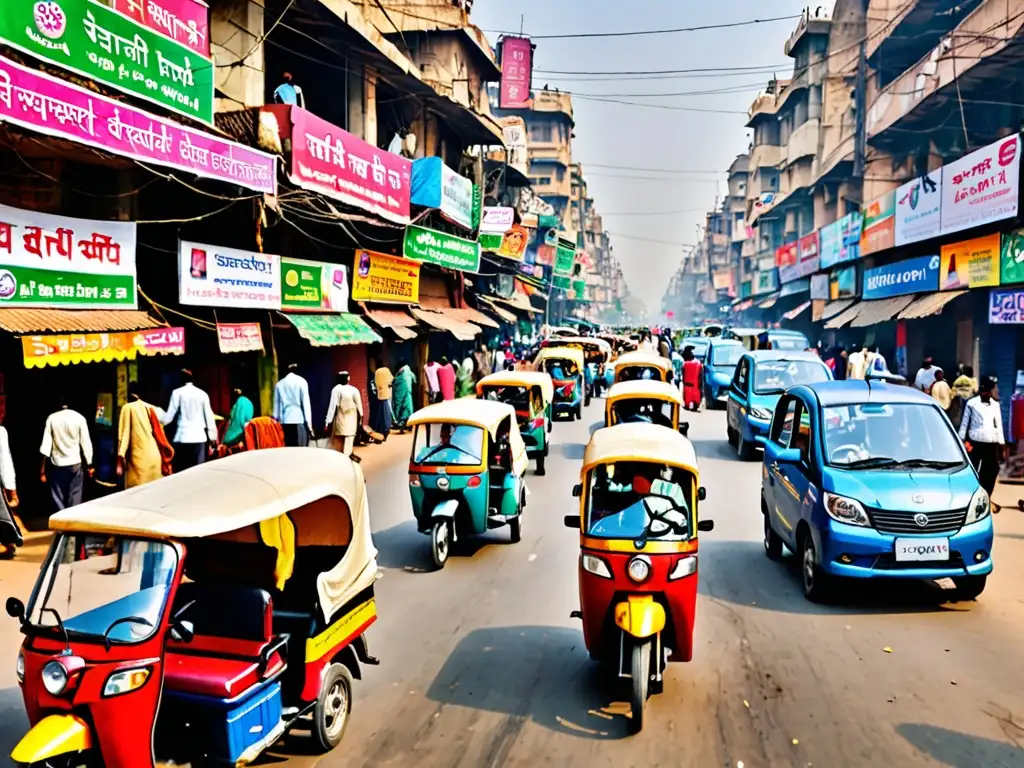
344, 415
857, 363
291, 408
66, 447
982, 430
433, 385
925, 375
197, 429
10, 526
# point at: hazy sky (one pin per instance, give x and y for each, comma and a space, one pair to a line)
638, 137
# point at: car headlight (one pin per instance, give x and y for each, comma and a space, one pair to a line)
845, 510
597, 566
55, 678
760, 413
19, 667
685, 566
639, 568
125, 681
980, 506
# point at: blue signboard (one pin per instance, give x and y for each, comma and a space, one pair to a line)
840, 240
830, 241
902, 278
1006, 306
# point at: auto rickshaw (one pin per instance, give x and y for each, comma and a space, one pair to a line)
642, 365
530, 393
638, 523
200, 617
466, 472
565, 366
596, 353
650, 402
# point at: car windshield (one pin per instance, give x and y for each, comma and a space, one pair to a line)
904, 435
639, 501
105, 586
448, 444
727, 355
773, 377
644, 411
789, 343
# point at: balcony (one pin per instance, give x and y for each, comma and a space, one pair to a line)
550, 152
766, 156
803, 142
553, 101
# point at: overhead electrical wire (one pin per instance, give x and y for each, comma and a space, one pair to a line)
641, 33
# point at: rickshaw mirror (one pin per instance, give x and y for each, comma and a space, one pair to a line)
702, 493
183, 631
684, 428
577, 490
706, 525
572, 521
16, 609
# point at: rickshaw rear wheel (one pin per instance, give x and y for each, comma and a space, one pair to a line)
516, 526
333, 707
640, 671
441, 542
540, 462
579, 412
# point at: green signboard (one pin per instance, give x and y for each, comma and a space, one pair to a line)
66, 289
301, 283
422, 244
1012, 258
490, 242
97, 42
580, 287
562, 282
478, 205
564, 259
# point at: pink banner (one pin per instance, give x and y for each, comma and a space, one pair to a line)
239, 337
183, 20
516, 72
55, 107
332, 161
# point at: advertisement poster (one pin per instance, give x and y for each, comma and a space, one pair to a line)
1006, 306
516, 72
497, 220
435, 185
981, 187
808, 254
65, 263
829, 244
313, 286
1011, 269
970, 264
842, 283
181, 20
211, 276
918, 275
62, 349
99, 43
849, 233
918, 209
787, 259
513, 243
442, 249
332, 161
239, 337
565, 258
819, 287
380, 277
879, 230
513, 130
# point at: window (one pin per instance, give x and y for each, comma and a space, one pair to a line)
540, 132
726, 355
448, 444
773, 377
559, 174
639, 500
542, 180
890, 435
742, 376
785, 418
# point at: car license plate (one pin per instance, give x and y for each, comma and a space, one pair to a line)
909, 550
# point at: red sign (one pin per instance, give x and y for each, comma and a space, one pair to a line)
332, 161
239, 337
808, 254
516, 72
181, 20
785, 255
546, 255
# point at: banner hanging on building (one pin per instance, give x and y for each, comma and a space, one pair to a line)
1006, 306
381, 277
435, 185
211, 276
440, 248
565, 257
879, 230
842, 283
919, 208
60, 262
981, 187
918, 275
183, 20
315, 286
63, 349
239, 337
970, 264
808, 255
497, 220
516, 73
101, 44
513, 130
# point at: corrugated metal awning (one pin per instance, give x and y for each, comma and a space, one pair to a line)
501, 312
833, 308
470, 315
443, 321
880, 311
929, 304
397, 321
332, 330
21, 321
844, 317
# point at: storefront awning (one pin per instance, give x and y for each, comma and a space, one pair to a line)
833, 308
470, 315
845, 316
769, 302
106, 347
794, 313
332, 330
397, 321
744, 305
504, 314
880, 311
21, 321
929, 304
442, 320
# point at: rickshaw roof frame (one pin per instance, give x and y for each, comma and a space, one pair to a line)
561, 353
486, 414
587, 341
639, 442
643, 358
640, 388
520, 379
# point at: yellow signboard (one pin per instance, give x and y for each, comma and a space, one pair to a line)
380, 277
970, 264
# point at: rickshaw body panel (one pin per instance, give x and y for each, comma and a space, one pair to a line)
472, 500
51, 737
323, 648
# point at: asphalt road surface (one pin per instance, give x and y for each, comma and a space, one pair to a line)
482, 666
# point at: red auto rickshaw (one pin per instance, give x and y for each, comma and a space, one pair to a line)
638, 526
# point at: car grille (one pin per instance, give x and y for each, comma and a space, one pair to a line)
888, 562
887, 521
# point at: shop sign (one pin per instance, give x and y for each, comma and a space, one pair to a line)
381, 277
1012, 259
497, 220
982, 186
879, 231
765, 282
970, 264
512, 244
40, 351
546, 255
516, 72
579, 288
787, 260
490, 242
513, 130
54, 107
440, 248
565, 258
313, 285
918, 275
918, 209
800, 285
239, 337
181, 20
819, 287
830, 244
101, 44
329, 160
563, 282
211, 276
842, 283
57, 261
547, 221
1006, 306
849, 233
807, 254
435, 185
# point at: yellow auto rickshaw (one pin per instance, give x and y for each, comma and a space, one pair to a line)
642, 365
643, 401
531, 394
568, 371
596, 352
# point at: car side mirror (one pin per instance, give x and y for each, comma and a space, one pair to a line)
577, 490
706, 526
787, 456
702, 493
684, 428
572, 521
16, 609
183, 631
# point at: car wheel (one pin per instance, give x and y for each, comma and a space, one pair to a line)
816, 583
969, 588
730, 435
744, 449
333, 706
772, 540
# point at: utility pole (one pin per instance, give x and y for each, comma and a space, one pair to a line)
860, 105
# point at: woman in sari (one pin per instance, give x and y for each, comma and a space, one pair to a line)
401, 396
464, 378
242, 413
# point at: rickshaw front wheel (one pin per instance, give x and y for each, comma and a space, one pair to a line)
540, 462
441, 542
516, 527
333, 707
640, 671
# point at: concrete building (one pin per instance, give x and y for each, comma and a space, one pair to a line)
738, 231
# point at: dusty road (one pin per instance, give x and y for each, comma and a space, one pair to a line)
482, 666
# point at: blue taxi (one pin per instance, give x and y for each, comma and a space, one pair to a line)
720, 361
865, 480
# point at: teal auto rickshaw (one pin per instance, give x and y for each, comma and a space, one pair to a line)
466, 472
531, 394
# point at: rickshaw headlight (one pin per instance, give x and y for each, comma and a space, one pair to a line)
19, 667
55, 678
597, 566
685, 566
639, 568
125, 681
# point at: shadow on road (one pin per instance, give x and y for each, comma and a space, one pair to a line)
573, 451
537, 674
715, 449
402, 547
961, 750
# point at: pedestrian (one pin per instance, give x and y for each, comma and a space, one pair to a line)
965, 385
446, 379
981, 429
482, 363
141, 442
242, 412
839, 362
11, 528
664, 345
433, 386
692, 375
66, 449
291, 408
197, 430
464, 378
383, 380
344, 415
940, 391
925, 375
857, 363
401, 396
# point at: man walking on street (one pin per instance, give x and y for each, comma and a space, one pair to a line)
433, 386
291, 408
940, 390
981, 429
925, 375
140, 446
383, 379
66, 447
344, 415
197, 430
11, 535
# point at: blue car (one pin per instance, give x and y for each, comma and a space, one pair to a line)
719, 368
761, 379
865, 480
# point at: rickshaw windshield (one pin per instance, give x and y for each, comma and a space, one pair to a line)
639, 501
459, 444
640, 373
105, 587
517, 397
640, 410
560, 370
